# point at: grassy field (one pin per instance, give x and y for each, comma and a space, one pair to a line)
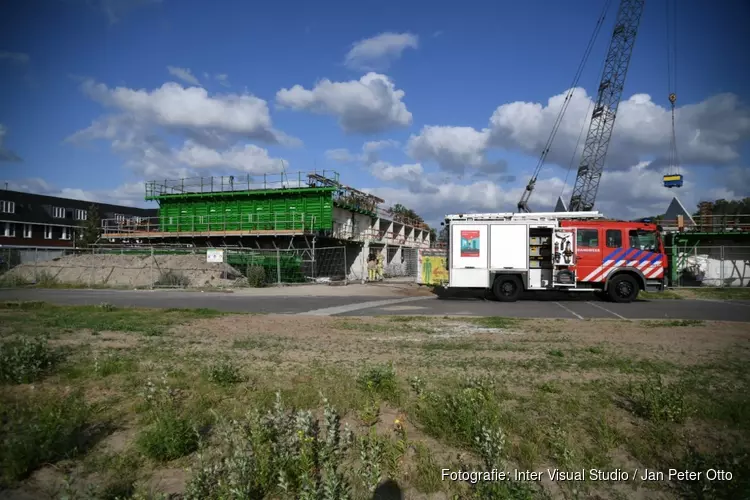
103, 402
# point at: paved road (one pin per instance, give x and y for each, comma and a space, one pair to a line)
536, 307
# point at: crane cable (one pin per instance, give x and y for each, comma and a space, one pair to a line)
569, 95
674, 164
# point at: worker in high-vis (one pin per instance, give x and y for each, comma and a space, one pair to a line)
371, 267
380, 267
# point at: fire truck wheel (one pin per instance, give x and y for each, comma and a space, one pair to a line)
623, 288
507, 288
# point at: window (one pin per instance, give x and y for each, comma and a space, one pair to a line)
643, 240
47, 232
81, 214
9, 229
7, 207
119, 217
588, 238
58, 212
66, 232
614, 238
27, 230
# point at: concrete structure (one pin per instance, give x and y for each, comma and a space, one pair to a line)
304, 212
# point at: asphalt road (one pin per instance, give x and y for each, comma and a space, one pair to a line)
536, 307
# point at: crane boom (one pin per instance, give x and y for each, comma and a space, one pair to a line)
605, 111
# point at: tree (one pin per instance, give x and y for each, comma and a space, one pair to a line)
91, 230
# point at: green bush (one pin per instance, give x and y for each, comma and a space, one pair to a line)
657, 402
224, 373
170, 437
25, 360
256, 276
172, 278
380, 380
38, 430
280, 454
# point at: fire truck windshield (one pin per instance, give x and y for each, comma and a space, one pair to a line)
644, 240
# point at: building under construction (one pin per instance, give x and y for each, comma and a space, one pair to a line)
302, 212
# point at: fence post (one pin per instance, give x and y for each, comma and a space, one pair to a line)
346, 270
721, 272
278, 266
151, 269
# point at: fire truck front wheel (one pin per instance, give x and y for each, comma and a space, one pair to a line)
623, 288
507, 288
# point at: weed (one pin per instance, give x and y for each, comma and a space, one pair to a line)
170, 435
495, 322
256, 276
172, 278
707, 486
113, 363
459, 416
224, 373
24, 305
657, 402
556, 353
380, 380
40, 429
26, 360
674, 323
428, 478
278, 453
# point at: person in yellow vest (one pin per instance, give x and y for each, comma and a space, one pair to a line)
380, 267
371, 267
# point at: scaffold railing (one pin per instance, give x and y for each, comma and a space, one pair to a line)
231, 183
281, 222
709, 224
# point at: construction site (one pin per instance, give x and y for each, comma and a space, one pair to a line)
213, 231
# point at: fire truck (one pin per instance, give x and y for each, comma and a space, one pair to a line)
509, 253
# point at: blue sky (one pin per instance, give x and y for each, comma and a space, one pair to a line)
100, 95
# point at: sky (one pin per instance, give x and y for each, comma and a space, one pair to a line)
444, 110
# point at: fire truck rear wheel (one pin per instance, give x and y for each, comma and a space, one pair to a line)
507, 288
623, 288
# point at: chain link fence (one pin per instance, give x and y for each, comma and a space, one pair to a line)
159, 267
709, 266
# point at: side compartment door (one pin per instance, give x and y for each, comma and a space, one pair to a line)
564, 246
469, 247
589, 253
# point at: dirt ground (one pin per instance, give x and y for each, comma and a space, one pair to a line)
565, 375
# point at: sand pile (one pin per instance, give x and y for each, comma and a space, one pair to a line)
137, 271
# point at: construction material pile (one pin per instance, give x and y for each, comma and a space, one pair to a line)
136, 271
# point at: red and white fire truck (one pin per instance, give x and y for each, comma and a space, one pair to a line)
509, 253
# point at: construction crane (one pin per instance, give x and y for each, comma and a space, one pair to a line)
605, 110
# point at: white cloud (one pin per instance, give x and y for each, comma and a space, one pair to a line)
453, 148
16, 57
377, 52
223, 79
369, 153
184, 74
177, 107
628, 194
128, 194
6, 154
709, 132
210, 127
368, 105
249, 158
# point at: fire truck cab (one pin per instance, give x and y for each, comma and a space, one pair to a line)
509, 253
